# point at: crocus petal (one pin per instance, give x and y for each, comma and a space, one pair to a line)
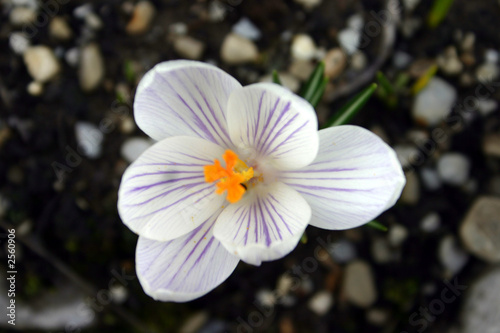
183, 97
355, 177
163, 194
267, 121
265, 225
185, 268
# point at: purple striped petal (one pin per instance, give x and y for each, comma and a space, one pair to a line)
183, 97
354, 178
265, 225
163, 194
270, 122
185, 268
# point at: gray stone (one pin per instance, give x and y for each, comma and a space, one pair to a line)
434, 103
411, 191
482, 305
453, 168
430, 222
452, 257
189, 47
480, 230
244, 27
89, 139
358, 285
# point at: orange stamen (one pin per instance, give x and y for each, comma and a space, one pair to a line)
231, 177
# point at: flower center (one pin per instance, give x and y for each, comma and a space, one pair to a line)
232, 178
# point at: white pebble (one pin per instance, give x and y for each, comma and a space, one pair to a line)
453, 168
321, 302
430, 222
72, 56
491, 56
303, 47
358, 284
238, 50
434, 103
179, 28
119, 293
335, 61
451, 256
397, 234
359, 61
18, 42
266, 298
245, 28
89, 139
488, 72
41, 62
133, 148
349, 39
401, 59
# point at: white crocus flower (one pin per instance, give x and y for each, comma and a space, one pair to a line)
237, 174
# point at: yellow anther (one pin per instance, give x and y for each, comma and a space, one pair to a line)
231, 177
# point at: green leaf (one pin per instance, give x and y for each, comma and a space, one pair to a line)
316, 98
314, 83
376, 225
276, 78
344, 115
438, 12
385, 84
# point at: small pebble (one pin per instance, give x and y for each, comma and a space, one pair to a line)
18, 42
179, 28
491, 145
487, 72
245, 28
59, 29
397, 234
303, 47
194, 322
401, 59
358, 285
342, 251
411, 191
451, 256
430, 179
349, 40
449, 62
72, 56
142, 17
4, 205
91, 68
216, 11
238, 50
132, 148
453, 168
359, 61
486, 106
491, 56
309, 4
335, 62
42, 63
480, 229
321, 302
377, 316
288, 81
20, 16
89, 139
434, 102
301, 69
266, 297
119, 293
468, 42
35, 88
430, 222
189, 47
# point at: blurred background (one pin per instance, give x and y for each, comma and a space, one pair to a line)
68, 74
